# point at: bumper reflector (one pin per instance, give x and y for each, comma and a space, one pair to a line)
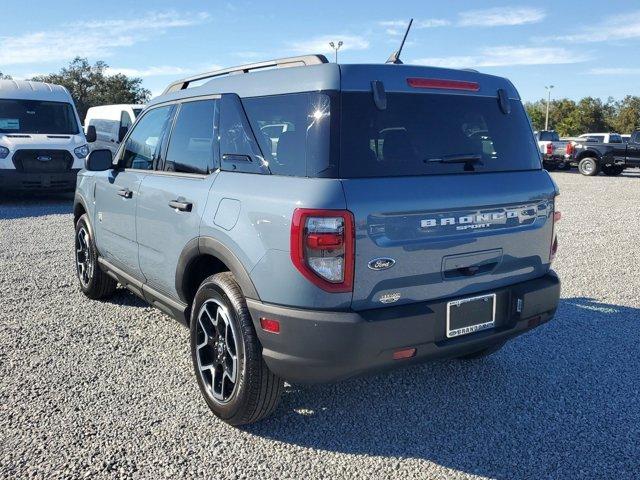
404, 353
270, 325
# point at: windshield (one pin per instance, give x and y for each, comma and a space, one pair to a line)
549, 137
425, 134
35, 116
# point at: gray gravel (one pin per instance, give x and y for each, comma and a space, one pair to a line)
105, 389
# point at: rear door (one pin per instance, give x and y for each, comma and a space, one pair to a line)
117, 194
173, 198
447, 191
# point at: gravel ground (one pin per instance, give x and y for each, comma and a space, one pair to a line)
105, 389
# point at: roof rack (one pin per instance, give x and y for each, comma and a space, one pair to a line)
278, 63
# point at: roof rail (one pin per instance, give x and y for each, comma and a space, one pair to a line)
277, 63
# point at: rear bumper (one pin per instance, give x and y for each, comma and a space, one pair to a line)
324, 346
15, 180
556, 158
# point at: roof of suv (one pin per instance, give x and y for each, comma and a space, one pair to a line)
28, 90
332, 76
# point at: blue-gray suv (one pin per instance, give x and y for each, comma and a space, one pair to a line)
310, 221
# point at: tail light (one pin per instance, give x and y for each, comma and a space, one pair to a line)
322, 247
549, 148
554, 236
570, 148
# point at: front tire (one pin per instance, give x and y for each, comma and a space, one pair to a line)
227, 358
589, 167
94, 283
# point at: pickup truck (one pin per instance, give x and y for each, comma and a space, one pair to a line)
556, 153
610, 158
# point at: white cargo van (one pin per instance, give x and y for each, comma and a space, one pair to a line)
106, 125
42, 145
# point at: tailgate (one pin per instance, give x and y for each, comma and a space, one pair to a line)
428, 237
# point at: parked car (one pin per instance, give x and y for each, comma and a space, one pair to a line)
556, 153
42, 146
379, 234
107, 125
610, 158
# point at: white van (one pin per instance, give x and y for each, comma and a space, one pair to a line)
111, 123
42, 145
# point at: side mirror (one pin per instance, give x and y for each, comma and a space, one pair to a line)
122, 132
91, 134
99, 160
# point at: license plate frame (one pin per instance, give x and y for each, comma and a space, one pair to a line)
482, 324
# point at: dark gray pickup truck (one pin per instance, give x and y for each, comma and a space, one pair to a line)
610, 158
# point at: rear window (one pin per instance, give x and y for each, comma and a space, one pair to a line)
35, 116
427, 134
549, 137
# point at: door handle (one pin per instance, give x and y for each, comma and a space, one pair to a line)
126, 193
181, 205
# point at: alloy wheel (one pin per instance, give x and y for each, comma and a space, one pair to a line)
84, 260
216, 350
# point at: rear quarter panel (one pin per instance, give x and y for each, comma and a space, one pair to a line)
260, 235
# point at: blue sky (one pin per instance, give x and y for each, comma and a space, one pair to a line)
587, 47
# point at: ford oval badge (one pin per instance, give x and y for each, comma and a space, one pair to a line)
381, 263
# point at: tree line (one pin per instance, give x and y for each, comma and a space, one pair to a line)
570, 118
91, 86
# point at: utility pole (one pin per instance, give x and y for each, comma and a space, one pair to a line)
546, 119
336, 48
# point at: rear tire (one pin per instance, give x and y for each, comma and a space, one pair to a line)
612, 171
589, 167
485, 352
94, 283
227, 358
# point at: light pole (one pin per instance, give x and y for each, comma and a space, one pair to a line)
546, 118
336, 48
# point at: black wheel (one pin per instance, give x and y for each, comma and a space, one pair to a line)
227, 357
589, 166
94, 283
485, 352
612, 170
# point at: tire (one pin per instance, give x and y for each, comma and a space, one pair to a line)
612, 171
94, 283
589, 167
238, 390
485, 352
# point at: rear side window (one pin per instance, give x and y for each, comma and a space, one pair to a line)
428, 134
142, 147
191, 147
615, 138
293, 131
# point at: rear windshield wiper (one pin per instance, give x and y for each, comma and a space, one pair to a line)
470, 158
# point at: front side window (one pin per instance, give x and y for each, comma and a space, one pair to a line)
427, 134
615, 138
191, 147
125, 120
142, 148
35, 116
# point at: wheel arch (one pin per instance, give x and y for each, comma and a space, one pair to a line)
588, 154
205, 256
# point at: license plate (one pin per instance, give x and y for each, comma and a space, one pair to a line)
469, 315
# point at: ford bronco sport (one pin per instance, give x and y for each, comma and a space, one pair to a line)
401, 216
